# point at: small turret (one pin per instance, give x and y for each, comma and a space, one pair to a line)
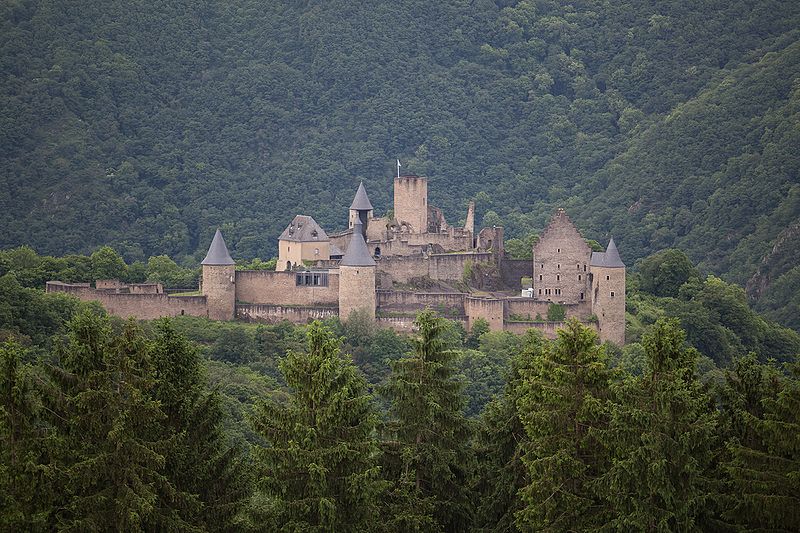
357, 277
361, 210
219, 280
608, 293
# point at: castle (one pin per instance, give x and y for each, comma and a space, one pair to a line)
378, 265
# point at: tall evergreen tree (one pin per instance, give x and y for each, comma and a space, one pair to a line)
427, 449
320, 470
563, 403
764, 462
662, 439
112, 455
499, 440
199, 463
25, 488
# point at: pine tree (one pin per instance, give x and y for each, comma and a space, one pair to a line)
563, 404
207, 473
427, 450
501, 474
764, 462
111, 460
320, 469
662, 440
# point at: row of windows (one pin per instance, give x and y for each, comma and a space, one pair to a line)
558, 277
558, 266
311, 279
557, 292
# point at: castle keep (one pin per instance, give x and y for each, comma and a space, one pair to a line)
378, 267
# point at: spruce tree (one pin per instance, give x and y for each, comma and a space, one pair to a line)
427, 454
25, 484
205, 470
764, 461
112, 458
562, 405
320, 470
500, 436
662, 440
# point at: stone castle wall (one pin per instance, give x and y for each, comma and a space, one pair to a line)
140, 306
451, 304
530, 307
356, 290
561, 263
219, 288
440, 267
273, 314
548, 329
489, 309
280, 288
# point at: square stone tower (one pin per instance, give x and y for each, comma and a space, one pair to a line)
561, 263
411, 203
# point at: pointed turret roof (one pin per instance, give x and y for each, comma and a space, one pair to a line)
218, 252
361, 201
609, 259
357, 253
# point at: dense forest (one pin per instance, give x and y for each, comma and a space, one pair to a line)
193, 424
146, 125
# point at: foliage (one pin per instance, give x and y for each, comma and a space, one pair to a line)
664, 272
556, 312
426, 457
319, 468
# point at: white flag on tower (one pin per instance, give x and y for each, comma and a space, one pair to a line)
398, 168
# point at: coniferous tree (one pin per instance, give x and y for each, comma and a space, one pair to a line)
764, 461
501, 474
427, 454
112, 459
25, 488
199, 463
662, 439
320, 470
563, 403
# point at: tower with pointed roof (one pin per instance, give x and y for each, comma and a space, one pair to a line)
361, 210
608, 293
219, 280
357, 277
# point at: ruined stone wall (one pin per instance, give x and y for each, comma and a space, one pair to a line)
140, 306
548, 329
489, 309
513, 270
356, 290
280, 288
402, 324
561, 262
449, 304
492, 240
530, 307
452, 241
272, 314
441, 267
608, 303
411, 202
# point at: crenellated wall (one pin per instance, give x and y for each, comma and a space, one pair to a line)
272, 314
280, 288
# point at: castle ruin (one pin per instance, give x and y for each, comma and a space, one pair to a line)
379, 267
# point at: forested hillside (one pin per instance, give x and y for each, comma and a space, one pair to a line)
145, 125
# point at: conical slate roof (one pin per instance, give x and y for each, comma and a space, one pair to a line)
357, 253
360, 201
609, 259
218, 252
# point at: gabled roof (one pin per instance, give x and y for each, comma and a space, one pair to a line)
357, 253
361, 201
303, 228
218, 252
609, 259
559, 228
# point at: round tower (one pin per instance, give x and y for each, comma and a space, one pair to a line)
357, 277
219, 280
361, 210
608, 294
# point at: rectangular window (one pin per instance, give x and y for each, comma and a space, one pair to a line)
612, 294
540, 277
558, 278
311, 279
579, 277
581, 296
608, 278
